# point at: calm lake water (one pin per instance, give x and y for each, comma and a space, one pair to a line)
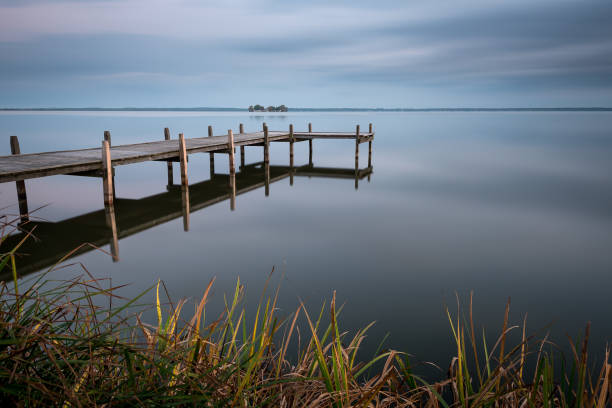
506, 204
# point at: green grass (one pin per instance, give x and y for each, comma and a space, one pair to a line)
60, 347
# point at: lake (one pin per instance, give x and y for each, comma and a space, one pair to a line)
507, 204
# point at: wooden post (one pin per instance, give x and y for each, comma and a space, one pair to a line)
184, 181
266, 144
291, 141
111, 223
107, 174
22, 197
107, 137
170, 170
357, 148
310, 145
183, 160
266, 159
241, 148
370, 150
230, 147
212, 155
357, 157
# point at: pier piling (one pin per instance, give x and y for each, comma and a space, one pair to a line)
370, 130
241, 148
107, 137
356, 157
230, 148
107, 174
183, 160
184, 181
291, 141
232, 169
266, 159
310, 145
169, 163
212, 155
266, 142
22, 197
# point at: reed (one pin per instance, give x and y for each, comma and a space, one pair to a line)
77, 343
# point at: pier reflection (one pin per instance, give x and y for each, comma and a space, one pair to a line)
125, 217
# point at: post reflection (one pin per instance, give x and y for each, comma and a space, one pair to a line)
267, 178
111, 223
185, 206
232, 187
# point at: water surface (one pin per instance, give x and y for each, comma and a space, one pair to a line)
507, 204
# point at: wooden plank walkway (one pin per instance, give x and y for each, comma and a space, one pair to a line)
100, 162
33, 165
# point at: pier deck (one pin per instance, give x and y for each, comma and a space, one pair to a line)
24, 166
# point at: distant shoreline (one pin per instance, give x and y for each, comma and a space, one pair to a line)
205, 109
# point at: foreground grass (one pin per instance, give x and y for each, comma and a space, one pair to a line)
60, 347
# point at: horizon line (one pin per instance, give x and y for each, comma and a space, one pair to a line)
307, 109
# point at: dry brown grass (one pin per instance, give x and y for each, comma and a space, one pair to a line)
60, 347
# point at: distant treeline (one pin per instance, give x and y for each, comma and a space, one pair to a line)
260, 108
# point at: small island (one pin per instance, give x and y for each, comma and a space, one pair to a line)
260, 108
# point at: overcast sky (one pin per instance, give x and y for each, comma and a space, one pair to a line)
234, 53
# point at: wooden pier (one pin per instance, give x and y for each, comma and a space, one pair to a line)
101, 161
124, 217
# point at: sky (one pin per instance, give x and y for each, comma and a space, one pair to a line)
234, 53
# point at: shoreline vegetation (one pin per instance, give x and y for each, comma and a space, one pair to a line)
77, 343
221, 109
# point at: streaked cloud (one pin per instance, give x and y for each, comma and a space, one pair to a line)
389, 53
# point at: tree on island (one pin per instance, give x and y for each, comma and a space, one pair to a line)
260, 108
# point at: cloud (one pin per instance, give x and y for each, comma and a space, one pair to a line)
469, 54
